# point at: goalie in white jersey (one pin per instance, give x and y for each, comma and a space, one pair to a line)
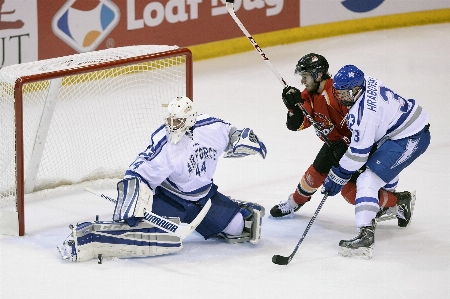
179, 165
173, 178
388, 133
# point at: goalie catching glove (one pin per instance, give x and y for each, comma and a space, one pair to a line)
244, 143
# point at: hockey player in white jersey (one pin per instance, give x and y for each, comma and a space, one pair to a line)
388, 133
173, 178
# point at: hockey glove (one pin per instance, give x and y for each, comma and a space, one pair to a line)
336, 151
294, 119
133, 198
291, 96
244, 144
335, 181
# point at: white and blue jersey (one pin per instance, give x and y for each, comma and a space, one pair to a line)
398, 127
186, 168
379, 115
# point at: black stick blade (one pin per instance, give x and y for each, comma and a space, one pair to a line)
281, 260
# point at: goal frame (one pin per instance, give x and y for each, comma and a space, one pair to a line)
18, 107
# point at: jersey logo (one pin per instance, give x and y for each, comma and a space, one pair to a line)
350, 121
325, 124
361, 5
82, 26
197, 161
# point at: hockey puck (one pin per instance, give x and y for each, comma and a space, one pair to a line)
100, 258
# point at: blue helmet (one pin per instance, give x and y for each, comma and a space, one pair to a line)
348, 77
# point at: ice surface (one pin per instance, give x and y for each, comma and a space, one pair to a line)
412, 262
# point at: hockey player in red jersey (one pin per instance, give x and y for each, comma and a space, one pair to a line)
318, 100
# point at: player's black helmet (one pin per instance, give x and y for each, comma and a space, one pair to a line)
312, 63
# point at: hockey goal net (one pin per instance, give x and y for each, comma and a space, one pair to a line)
79, 118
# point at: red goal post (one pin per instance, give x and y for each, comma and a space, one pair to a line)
81, 118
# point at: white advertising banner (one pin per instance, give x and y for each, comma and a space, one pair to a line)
313, 12
18, 31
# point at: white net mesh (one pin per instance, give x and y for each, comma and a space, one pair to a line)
89, 125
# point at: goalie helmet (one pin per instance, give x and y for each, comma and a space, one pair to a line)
344, 83
313, 64
181, 117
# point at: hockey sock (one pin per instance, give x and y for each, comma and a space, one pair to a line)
386, 198
349, 192
236, 225
308, 185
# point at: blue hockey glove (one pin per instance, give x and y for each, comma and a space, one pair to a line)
335, 181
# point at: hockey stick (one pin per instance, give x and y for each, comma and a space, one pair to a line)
278, 259
317, 126
181, 231
284, 260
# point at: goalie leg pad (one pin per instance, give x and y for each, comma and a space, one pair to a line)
113, 239
252, 214
253, 225
133, 198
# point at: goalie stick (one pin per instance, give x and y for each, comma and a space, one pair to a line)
284, 260
317, 126
181, 231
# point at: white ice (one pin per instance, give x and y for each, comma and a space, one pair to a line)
412, 262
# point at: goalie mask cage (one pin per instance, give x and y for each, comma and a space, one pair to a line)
81, 118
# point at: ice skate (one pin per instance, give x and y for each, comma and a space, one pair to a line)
361, 246
402, 211
387, 214
284, 208
405, 202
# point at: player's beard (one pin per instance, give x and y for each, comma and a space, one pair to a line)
313, 87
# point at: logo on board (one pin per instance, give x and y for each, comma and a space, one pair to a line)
361, 5
84, 24
4, 24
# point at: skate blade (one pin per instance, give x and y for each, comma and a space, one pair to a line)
360, 253
386, 218
245, 237
413, 204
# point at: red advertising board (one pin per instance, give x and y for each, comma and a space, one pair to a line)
68, 27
